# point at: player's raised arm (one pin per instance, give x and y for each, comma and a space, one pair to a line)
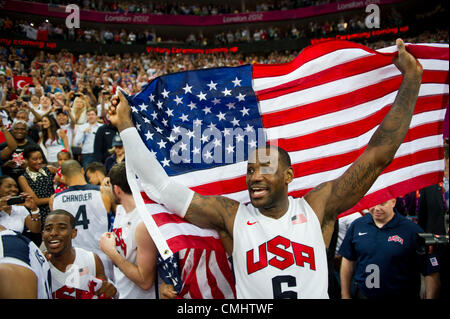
330, 198
204, 211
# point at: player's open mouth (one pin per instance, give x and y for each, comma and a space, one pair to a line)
54, 244
258, 192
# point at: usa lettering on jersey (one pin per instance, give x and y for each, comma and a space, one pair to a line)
118, 234
301, 254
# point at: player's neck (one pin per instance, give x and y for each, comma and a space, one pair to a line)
127, 201
276, 211
77, 180
65, 259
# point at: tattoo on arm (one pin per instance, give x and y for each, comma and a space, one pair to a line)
212, 211
393, 129
348, 189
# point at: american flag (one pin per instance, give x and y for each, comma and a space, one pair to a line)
199, 268
322, 108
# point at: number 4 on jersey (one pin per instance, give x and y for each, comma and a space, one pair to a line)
81, 217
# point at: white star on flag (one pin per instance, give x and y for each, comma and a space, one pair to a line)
212, 85
187, 89
236, 82
201, 96
165, 93
226, 92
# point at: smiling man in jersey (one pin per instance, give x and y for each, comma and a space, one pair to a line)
90, 207
73, 269
277, 240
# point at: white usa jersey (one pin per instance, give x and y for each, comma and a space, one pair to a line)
18, 250
124, 232
85, 203
74, 282
279, 258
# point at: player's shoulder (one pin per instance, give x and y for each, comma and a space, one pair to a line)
14, 245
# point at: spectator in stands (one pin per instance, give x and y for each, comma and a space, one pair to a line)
85, 137
79, 108
8, 147
96, 173
66, 123
103, 140
17, 217
380, 252
33, 131
53, 139
59, 184
14, 164
117, 153
37, 179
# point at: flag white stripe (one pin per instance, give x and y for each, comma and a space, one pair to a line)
406, 173
202, 279
329, 89
169, 231
222, 282
343, 117
434, 64
345, 146
393, 48
311, 67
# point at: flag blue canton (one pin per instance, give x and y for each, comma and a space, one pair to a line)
168, 271
199, 119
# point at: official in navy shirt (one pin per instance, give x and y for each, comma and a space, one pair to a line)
380, 252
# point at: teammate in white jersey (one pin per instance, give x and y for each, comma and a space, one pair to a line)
277, 239
76, 272
24, 271
129, 245
89, 206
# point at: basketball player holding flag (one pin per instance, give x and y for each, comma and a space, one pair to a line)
277, 239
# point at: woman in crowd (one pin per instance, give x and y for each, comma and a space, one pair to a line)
79, 107
17, 216
53, 139
117, 153
37, 179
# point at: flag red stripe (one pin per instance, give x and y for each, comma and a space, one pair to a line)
404, 187
308, 54
212, 282
165, 218
397, 190
190, 282
428, 52
345, 131
335, 73
223, 264
313, 52
345, 101
180, 242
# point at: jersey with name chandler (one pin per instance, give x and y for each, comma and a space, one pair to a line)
85, 203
